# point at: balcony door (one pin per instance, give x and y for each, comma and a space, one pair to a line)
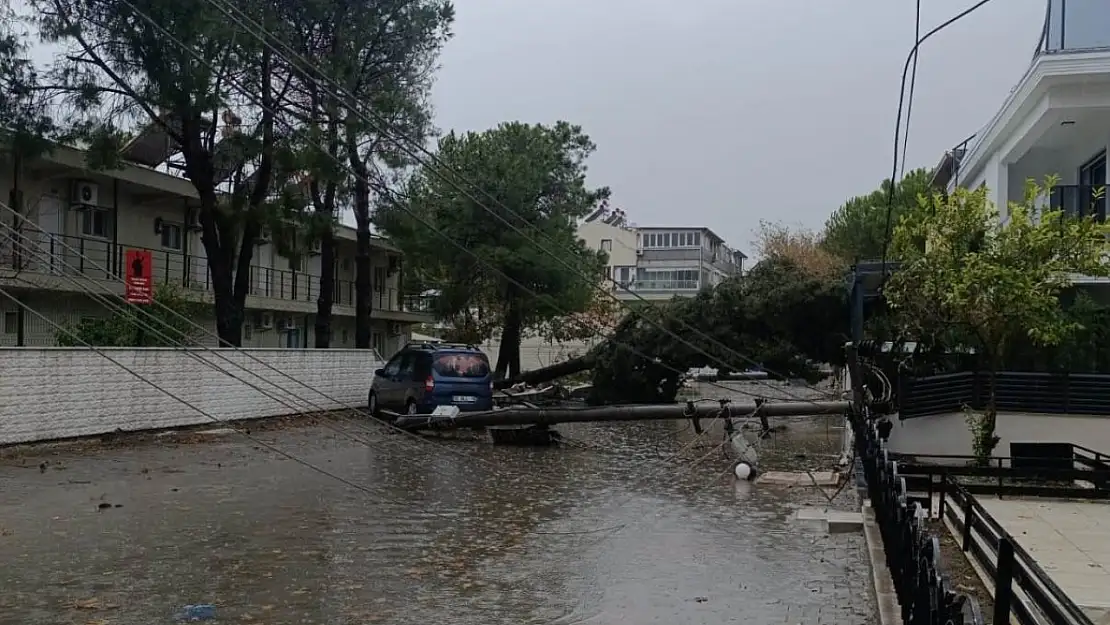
1092, 178
51, 222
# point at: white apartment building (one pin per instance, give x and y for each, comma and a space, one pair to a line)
91, 218
1056, 121
658, 263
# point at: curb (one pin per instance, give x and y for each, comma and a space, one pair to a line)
890, 611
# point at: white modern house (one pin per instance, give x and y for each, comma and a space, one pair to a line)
1056, 121
83, 222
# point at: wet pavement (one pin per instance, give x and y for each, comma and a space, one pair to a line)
618, 526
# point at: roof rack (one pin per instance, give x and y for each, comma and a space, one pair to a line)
438, 345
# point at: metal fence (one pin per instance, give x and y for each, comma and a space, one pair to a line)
912, 552
903, 491
1049, 393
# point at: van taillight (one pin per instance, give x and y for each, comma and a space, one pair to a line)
429, 384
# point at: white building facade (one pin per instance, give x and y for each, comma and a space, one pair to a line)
659, 263
82, 222
1056, 121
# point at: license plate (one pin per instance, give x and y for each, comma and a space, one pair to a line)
464, 399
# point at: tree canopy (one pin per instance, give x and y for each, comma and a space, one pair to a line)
857, 230
971, 279
532, 176
779, 315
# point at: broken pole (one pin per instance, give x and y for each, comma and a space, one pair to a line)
645, 412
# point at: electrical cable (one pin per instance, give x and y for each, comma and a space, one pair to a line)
338, 92
425, 223
898, 122
208, 332
293, 407
73, 336
136, 313
913, 84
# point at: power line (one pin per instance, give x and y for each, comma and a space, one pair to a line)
231, 81
138, 318
262, 34
898, 120
913, 84
652, 475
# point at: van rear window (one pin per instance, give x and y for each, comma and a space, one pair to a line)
461, 365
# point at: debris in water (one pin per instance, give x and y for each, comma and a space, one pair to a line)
199, 612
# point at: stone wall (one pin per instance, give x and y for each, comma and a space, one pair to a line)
55, 393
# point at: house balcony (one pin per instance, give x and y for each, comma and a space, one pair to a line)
1076, 26
1079, 200
67, 263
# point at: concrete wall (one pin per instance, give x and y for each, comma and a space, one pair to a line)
949, 434
54, 393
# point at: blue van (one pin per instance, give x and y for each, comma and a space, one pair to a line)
424, 375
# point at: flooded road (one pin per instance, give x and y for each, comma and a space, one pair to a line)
615, 527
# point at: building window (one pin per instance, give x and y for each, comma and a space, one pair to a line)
608, 273
378, 341
607, 245
94, 223
379, 279
171, 236
626, 275
346, 336
667, 279
248, 331
11, 323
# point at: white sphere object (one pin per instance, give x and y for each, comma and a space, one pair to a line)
744, 471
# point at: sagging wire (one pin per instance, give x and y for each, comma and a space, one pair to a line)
724, 413
910, 58
338, 91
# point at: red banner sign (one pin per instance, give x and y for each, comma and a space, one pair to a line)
138, 281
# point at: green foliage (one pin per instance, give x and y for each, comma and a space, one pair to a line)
536, 176
857, 229
780, 315
167, 323
969, 278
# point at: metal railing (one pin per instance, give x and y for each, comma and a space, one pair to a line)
665, 285
1075, 26
912, 552
1043, 393
62, 255
1079, 200
902, 495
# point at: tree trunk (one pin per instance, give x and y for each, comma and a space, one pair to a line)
327, 290
508, 353
363, 282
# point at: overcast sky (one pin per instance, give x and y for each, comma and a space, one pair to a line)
720, 113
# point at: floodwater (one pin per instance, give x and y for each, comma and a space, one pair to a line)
627, 523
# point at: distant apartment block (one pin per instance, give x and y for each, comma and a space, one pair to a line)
658, 263
82, 222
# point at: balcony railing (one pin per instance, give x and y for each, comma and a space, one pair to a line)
96, 258
1079, 200
1075, 26
665, 285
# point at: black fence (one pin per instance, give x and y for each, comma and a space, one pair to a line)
1051, 393
912, 553
903, 490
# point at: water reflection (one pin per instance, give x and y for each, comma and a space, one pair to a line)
574, 535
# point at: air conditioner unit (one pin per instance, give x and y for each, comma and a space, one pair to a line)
394, 329
266, 321
192, 219
85, 194
286, 324
639, 251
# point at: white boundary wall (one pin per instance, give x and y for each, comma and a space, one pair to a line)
54, 393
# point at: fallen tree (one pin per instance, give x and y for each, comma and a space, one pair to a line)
780, 317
